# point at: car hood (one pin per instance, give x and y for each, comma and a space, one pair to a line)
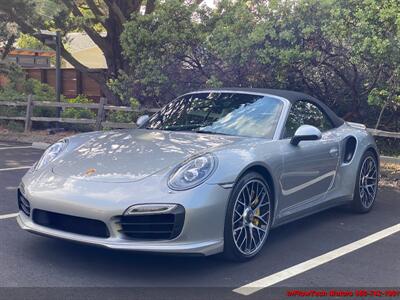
133, 155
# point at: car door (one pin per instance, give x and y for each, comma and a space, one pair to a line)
309, 169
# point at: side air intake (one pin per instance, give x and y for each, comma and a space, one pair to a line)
350, 146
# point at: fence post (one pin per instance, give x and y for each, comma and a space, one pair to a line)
100, 113
29, 111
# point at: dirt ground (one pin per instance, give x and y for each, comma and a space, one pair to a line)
390, 175
35, 136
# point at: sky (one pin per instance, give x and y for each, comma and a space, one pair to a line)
209, 2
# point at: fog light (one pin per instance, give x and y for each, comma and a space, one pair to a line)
22, 188
143, 209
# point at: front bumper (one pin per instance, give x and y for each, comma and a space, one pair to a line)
203, 248
202, 231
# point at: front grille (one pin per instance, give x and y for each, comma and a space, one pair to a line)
71, 224
23, 204
153, 226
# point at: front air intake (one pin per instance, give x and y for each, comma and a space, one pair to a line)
154, 226
23, 204
72, 224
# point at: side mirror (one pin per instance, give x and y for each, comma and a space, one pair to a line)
142, 120
305, 133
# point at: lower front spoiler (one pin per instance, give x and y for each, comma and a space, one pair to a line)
199, 248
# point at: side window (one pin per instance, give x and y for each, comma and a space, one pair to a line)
306, 113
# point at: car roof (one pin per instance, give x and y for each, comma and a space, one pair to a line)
291, 96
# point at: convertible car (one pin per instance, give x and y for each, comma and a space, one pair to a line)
213, 171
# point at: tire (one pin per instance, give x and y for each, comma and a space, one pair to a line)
246, 230
366, 187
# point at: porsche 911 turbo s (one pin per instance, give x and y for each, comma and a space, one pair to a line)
213, 171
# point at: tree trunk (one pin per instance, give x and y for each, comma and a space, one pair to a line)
111, 97
113, 53
380, 116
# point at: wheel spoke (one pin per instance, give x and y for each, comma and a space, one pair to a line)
371, 193
250, 218
248, 203
240, 202
264, 214
368, 182
237, 229
262, 203
239, 214
258, 233
248, 240
244, 240
372, 173
261, 220
252, 237
364, 169
238, 219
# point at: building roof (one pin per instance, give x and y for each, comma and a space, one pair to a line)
82, 47
78, 41
31, 52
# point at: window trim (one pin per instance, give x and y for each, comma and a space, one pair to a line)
315, 104
282, 118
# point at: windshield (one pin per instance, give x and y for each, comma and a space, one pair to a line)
220, 113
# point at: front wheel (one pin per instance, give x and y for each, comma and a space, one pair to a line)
248, 217
367, 184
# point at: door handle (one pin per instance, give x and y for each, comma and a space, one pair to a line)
334, 152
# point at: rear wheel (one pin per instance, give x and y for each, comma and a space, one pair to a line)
248, 217
367, 184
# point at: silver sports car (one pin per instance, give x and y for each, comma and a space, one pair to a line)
213, 171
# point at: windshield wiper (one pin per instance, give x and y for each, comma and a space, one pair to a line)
211, 132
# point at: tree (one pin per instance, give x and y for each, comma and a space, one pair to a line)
8, 34
341, 51
102, 20
163, 48
26, 41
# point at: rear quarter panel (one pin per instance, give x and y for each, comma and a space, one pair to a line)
345, 181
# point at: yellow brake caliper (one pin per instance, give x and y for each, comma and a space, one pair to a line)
256, 221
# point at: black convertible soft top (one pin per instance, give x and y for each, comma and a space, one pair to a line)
292, 96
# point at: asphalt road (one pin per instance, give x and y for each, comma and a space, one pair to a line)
78, 271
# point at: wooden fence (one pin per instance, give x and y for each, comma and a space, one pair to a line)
100, 121
73, 82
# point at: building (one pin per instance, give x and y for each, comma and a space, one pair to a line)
39, 64
28, 58
81, 46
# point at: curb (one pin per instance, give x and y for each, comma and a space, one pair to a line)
40, 145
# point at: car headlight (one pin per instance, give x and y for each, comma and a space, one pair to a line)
193, 172
51, 154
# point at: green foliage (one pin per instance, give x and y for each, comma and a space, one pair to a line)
10, 93
41, 91
103, 21
78, 113
388, 146
15, 75
18, 89
123, 116
123, 87
27, 41
159, 48
8, 34
16, 126
345, 52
